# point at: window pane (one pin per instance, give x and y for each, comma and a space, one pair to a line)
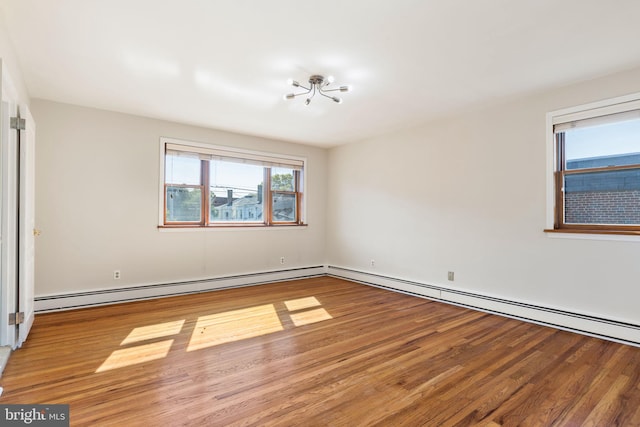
182, 170
284, 207
608, 197
613, 144
236, 192
183, 204
282, 179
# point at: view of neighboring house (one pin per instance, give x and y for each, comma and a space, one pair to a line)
610, 196
235, 206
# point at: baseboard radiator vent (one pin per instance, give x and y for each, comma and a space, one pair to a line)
608, 329
67, 301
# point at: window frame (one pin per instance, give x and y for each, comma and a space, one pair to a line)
556, 165
297, 181
204, 186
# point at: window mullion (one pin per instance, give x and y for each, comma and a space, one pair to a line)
559, 177
204, 177
268, 197
164, 207
560, 151
296, 179
559, 212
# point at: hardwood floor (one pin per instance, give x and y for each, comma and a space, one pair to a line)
318, 352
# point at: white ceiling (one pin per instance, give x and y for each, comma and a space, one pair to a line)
224, 63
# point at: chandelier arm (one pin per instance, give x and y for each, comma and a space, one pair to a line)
325, 95
302, 93
308, 101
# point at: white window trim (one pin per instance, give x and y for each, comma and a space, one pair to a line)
585, 111
161, 178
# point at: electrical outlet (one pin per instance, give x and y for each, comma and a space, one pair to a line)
372, 263
450, 276
281, 260
116, 274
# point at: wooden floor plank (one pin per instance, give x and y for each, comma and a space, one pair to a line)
319, 351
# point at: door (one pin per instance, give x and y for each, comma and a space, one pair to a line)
8, 223
17, 214
27, 227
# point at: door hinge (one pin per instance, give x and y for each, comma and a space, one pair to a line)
16, 318
18, 123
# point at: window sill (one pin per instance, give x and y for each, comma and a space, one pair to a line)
631, 236
227, 227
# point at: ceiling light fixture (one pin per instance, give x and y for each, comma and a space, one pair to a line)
317, 84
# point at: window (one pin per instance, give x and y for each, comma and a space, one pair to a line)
219, 186
597, 168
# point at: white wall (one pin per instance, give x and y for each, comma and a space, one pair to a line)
467, 194
97, 206
10, 64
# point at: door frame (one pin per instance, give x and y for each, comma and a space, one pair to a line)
26, 220
10, 201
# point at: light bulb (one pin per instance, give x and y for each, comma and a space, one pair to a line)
336, 99
289, 96
345, 88
308, 101
330, 79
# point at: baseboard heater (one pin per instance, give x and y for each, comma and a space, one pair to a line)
626, 333
67, 301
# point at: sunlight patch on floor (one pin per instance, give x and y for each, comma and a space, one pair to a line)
135, 355
234, 325
150, 332
214, 329
302, 303
309, 316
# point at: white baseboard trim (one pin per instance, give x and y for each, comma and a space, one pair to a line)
67, 301
575, 322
